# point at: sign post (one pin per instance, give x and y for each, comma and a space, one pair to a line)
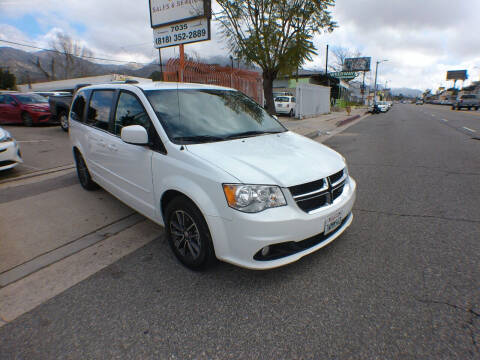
179, 22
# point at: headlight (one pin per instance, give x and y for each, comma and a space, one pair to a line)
6, 137
253, 198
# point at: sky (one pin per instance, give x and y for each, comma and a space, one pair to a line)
421, 39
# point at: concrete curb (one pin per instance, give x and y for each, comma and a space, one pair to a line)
38, 173
347, 120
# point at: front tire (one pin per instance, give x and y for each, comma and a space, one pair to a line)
63, 118
27, 119
83, 174
188, 234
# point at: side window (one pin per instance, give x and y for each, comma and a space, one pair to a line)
293, 100
129, 112
99, 110
9, 100
78, 107
2, 99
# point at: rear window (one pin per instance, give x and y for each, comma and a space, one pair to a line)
99, 109
282, 99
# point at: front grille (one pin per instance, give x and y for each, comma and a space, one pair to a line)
316, 194
278, 251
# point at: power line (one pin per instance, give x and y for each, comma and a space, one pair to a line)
80, 56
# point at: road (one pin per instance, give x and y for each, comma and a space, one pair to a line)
43, 147
401, 283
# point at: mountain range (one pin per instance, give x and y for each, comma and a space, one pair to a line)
38, 66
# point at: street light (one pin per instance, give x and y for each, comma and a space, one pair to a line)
376, 72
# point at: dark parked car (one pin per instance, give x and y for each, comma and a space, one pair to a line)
60, 106
23, 108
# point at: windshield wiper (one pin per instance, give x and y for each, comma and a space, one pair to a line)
250, 133
198, 138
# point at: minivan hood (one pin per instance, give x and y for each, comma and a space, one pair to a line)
284, 159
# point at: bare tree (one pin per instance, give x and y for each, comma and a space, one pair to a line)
38, 64
342, 53
71, 51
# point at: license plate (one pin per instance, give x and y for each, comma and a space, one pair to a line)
333, 222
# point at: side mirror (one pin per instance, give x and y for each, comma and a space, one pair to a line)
275, 117
134, 134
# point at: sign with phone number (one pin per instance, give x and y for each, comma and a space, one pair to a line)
181, 33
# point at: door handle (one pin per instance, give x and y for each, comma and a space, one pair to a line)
111, 147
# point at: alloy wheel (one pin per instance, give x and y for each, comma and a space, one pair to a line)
185, 235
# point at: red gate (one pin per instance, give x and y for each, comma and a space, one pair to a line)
247, 81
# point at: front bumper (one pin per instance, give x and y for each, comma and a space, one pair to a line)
40, 117
9, 155
238, 240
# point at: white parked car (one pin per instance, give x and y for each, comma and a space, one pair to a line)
383, 106
10, 155
223, 177
285, 105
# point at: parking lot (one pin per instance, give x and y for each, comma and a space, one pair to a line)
401, 282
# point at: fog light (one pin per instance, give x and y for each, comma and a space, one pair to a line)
265, 250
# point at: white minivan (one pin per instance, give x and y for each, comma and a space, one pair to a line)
223, 177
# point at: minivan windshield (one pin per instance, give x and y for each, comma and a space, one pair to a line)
192, 116
282, 99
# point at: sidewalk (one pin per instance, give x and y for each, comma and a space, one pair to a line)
324, 126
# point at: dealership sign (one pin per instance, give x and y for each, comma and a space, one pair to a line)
182, 33
178, 22
345, 75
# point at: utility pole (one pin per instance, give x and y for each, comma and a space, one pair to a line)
182, 62
160, 63
231, 73
376, 72
363, 89
326, 62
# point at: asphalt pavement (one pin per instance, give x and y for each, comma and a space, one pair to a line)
401, 283
43, 147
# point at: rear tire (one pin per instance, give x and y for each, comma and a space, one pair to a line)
453, 107
27, 119
83, 174
188, 234
291, 113
63, 118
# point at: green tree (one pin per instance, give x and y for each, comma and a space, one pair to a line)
277, 35
7, 80
156, 76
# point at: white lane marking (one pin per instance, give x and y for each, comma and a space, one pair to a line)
31, 141
464, 127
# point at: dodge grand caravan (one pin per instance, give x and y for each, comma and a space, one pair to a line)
223, 177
